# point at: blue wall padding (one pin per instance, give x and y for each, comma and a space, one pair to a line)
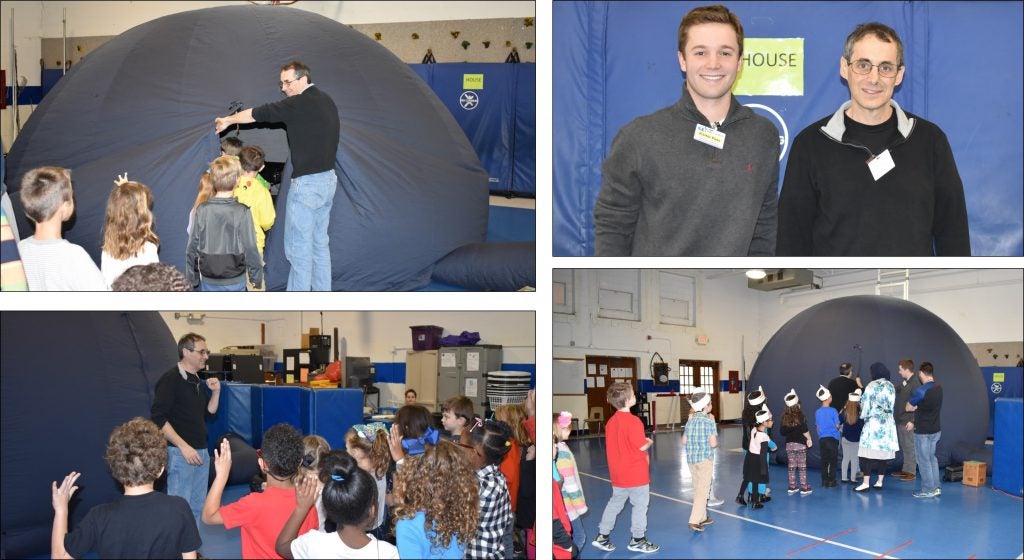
502, 125
511, 224
334, 411
285, 404
390, 372
1007, 456
68, 380
615, 61
236, 414
1011, 387
532, 368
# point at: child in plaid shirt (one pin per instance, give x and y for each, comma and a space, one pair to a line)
700, 439
491, 442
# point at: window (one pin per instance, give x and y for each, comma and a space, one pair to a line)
618, 294
562, 300
686, 385
678, 296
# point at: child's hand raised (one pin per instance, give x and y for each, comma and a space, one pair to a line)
305, 492
222, 459
62, 494
395, 443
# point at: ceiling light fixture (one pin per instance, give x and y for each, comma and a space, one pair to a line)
756, 274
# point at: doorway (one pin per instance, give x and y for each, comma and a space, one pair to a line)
698, 374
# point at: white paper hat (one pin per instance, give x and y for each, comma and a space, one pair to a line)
855, 396
763, 415
703, 402
791, 399
823, 394
757, 397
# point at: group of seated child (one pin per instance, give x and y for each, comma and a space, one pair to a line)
226, 231
399, 493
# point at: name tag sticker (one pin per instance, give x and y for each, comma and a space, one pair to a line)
709, 136
881, 164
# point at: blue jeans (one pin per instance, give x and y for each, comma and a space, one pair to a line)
310, 198
188, 481
924, 448
205, 286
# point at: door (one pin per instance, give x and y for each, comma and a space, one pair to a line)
602, 371
698, 374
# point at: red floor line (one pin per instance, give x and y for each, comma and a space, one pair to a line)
884, 554
821, 541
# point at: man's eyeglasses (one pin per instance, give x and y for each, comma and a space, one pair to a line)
863, 66
287, 82
204, 351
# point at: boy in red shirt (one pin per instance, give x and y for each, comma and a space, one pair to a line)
261, 515
629, 466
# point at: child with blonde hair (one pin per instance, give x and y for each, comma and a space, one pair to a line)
513, 415
798, 441
205, 191
572, 489
438, 504
128, 236
314, 449
222, 249
368, 445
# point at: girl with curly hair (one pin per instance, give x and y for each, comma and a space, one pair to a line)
314, 449
368, 445
128, 237
439, 508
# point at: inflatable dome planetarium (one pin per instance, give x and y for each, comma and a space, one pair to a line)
68, 379
410, 186
873, 331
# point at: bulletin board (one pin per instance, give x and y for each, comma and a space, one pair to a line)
568, 376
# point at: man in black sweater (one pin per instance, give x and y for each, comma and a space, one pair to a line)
872, 179
926, 404
180, 408
841, 386
311, 120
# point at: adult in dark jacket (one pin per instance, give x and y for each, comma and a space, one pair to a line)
671, 176
842, 385
872, 179
311, 121
903, 416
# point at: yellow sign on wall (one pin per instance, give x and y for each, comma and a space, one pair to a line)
771, 67
472, 81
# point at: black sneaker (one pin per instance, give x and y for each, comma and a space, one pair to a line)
603, 543
642, 545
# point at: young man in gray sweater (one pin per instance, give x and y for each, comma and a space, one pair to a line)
700, 177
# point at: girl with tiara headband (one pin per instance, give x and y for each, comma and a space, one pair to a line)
350, 499
751, 405
572, 490
755, 464
368, 445
798, 441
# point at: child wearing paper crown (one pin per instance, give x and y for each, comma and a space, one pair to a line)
827, 420
755, 464
798, 441
751, 405
700, 439
572, 490
368, 445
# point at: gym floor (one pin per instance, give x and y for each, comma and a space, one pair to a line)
965, 522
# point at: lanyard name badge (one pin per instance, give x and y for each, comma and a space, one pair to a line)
881, 164
709, 136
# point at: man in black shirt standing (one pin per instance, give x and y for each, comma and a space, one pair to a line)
926, 404
843, 385
311, 121
180, 409
872, 179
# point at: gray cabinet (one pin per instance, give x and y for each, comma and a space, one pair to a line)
461, 371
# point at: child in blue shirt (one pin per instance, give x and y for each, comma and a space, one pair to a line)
827, 420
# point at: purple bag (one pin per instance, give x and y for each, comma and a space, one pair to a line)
465, 339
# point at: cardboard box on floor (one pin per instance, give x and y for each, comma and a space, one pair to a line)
974, 473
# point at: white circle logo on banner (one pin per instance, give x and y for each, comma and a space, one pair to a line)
784, 137
469, 100
997, 388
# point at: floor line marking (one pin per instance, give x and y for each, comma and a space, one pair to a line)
756, 522
895, 549
821, 541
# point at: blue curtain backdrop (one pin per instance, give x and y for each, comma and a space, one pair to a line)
615, 61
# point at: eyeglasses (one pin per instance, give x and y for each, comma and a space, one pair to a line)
863, 66
204, 352
287, 82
